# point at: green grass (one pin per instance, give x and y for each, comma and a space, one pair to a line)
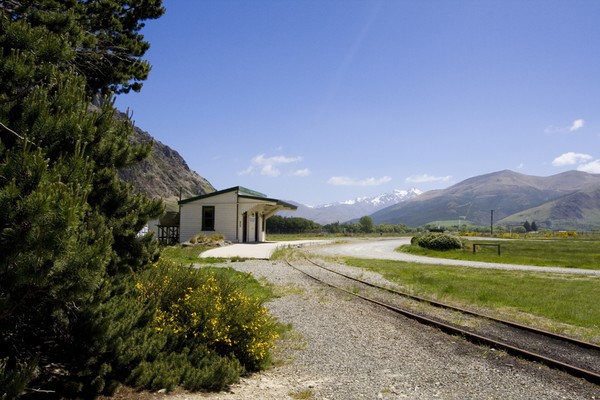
564, 303
187, 255
252, 287
284, 237
568, 253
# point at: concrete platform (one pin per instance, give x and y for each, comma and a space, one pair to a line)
261, 251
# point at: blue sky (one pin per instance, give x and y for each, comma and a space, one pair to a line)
319, 101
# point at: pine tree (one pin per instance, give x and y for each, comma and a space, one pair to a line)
366, 224
527, 226
101, 40
68, 225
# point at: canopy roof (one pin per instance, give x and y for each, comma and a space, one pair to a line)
245, 193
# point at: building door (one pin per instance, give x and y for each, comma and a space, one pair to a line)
256, 228
244, 227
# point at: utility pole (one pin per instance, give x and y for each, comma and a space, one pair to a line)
492, 223
459, 218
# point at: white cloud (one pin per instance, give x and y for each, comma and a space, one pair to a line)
577, 124
301, 172
269, 170
262, 160
267, 166
424, 178
592, 167
570, 158
347, 181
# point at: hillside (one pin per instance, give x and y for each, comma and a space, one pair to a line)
507, 193
576, 211
164, 173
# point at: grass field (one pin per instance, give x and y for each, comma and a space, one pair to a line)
568, 253
187, 255
559, 302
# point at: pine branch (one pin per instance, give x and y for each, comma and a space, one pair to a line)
6, 128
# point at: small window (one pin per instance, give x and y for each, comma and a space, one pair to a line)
208, 218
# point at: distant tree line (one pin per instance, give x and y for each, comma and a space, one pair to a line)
279, 224
294, 225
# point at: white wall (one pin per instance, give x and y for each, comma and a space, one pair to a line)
228, 217
225, 217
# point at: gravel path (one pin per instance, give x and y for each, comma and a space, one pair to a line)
385, 249
343, 348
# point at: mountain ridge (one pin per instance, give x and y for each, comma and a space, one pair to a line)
507, 193
347, 210
164, 173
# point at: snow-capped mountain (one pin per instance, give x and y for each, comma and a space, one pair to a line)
344, 211
378, 202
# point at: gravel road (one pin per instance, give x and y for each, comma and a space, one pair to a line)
342, 348
385, 249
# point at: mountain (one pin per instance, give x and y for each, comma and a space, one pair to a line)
164, 173
579, 210
350, 209
569, 198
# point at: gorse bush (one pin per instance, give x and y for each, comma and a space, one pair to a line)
208, 327
437, 241
212, 307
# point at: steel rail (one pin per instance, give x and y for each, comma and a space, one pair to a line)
590, 376
434, 303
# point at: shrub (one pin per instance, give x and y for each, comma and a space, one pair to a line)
13, 381
216, 237
415, 239
201, 238
211, 307
213, 328
193, 369
437, 241
198, 238
172, 325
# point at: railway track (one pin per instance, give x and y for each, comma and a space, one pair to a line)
576, 357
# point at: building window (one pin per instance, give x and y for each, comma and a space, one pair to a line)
208, 218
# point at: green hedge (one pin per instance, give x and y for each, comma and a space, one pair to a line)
437, 241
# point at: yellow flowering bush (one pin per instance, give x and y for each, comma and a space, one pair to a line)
211, 308
567, 234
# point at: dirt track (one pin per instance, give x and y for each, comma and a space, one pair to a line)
384, 249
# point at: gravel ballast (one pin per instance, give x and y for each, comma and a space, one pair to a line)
344, 348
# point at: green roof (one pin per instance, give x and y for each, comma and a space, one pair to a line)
242, 191
250, 192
